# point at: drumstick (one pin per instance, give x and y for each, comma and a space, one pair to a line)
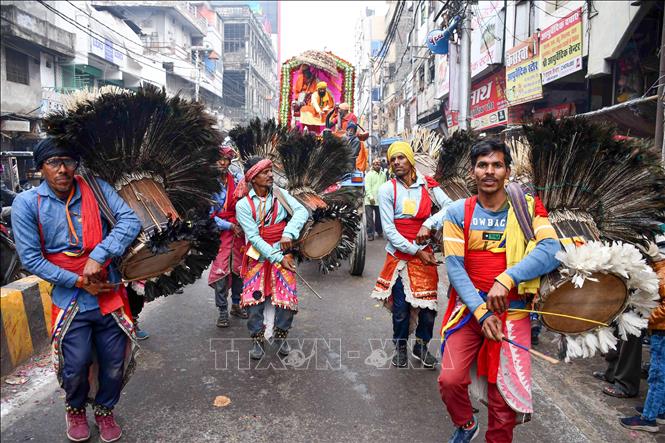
533, 352
572, 317
308, 285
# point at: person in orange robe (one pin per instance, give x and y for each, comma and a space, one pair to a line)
304, 88
322, 102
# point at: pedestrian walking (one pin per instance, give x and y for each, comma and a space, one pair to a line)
482, 288
373, 180
268, 268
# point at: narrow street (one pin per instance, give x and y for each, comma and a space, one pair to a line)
331, 391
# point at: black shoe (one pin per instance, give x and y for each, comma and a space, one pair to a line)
223, 320
535, 341
400, 359
421, 353
283, 347
237, 311
370, 238
258, 349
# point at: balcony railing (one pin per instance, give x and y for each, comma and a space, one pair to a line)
166, 48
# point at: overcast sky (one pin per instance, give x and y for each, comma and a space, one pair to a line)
320, 25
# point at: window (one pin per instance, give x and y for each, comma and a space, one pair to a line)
17, 67
421, 79
234, 37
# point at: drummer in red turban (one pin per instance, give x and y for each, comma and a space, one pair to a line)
62, 237
271, 220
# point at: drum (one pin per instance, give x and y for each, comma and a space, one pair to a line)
602, 298
152, 206
322, 232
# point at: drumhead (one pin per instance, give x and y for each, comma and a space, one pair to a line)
141, 263
321, 239
601, 301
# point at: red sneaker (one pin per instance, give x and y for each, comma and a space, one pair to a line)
108, 428
77, 425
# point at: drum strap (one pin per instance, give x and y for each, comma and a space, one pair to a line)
282, 200
104, 207
521, 209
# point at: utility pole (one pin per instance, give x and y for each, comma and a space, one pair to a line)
660, 141
371, 102
465, 73
198, 75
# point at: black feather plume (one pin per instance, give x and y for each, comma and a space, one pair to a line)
580, 167
125, 133
454, 165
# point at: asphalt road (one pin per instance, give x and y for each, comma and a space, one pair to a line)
340, 387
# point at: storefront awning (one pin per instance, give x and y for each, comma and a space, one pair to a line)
636, 117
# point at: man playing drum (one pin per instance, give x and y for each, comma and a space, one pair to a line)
268, 269
491, 268
225, 270
62, 238
409, 277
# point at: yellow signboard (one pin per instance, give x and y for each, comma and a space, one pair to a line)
523, 73
561, 47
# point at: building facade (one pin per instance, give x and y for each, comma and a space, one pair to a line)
528, 59
250, 65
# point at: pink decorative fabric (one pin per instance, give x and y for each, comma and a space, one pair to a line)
229, 258
514, 375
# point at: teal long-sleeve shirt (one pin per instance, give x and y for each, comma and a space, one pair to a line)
250, 225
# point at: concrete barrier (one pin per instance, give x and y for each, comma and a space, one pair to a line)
25, 307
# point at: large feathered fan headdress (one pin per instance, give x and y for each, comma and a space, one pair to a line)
123, 137
581, 167
124, 134
609, 191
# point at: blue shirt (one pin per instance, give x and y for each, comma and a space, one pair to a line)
53, 219
251, 227
220, 199
391, 211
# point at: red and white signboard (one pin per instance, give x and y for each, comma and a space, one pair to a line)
489, 107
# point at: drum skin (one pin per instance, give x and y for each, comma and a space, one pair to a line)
140, 263
601, 301
321, 239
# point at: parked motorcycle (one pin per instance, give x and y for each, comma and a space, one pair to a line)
10, 264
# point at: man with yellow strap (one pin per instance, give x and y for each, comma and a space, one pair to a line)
492, 267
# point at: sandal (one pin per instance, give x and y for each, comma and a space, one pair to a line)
600, 375
615, 392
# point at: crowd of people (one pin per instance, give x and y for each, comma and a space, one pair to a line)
62, 236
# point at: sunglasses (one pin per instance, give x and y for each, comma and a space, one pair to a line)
55, 163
